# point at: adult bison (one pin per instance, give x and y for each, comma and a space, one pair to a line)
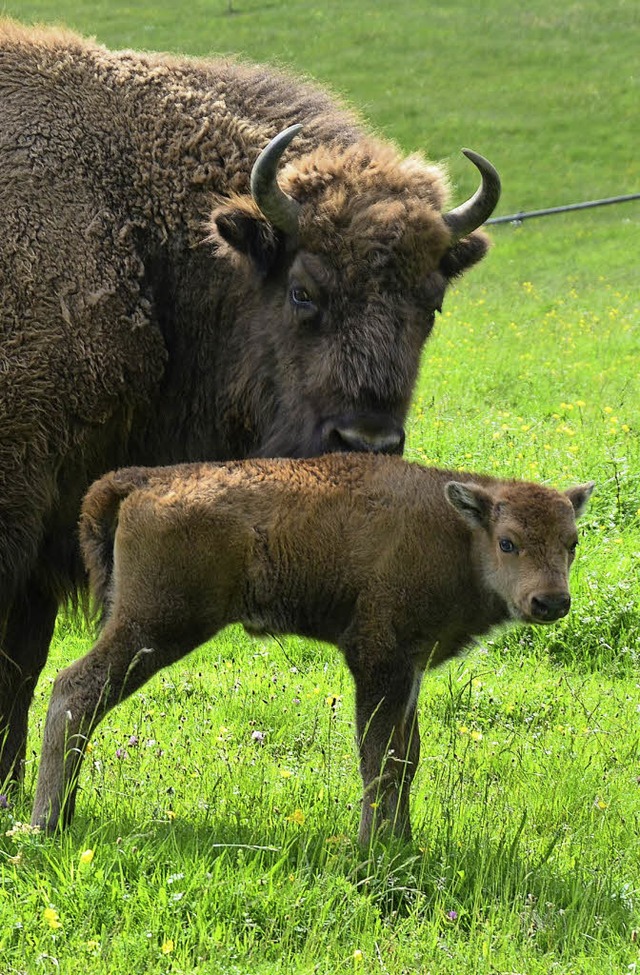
164, 298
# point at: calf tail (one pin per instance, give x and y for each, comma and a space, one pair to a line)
97, 528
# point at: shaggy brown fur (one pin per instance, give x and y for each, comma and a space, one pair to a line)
125, 337
398, 565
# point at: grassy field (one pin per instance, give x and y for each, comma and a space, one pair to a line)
215, 830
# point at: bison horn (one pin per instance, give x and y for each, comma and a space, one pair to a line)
473, 213
280, 209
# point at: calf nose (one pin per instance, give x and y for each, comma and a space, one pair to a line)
548, 607
380, 435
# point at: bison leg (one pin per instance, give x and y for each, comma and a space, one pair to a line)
124, 658
24, 644
389, 744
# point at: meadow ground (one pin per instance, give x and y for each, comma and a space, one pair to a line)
215, 829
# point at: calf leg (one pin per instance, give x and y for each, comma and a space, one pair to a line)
124, 658
25, 634
389, 744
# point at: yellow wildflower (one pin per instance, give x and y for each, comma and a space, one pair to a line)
297, 817
167, 946
52, 918
86, 856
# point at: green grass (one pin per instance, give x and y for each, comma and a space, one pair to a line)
220, 851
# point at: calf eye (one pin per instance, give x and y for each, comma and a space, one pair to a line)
572, 547
506, 545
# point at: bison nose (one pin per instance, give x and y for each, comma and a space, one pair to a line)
380, 435
550, 606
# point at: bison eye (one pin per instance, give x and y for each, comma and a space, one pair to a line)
300, 298
506, 545
572, 547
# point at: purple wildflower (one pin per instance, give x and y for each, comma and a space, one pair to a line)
452, 915
121, 753
4, 802
257, 735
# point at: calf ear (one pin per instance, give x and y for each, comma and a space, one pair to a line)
579, 495
471, 501
250, 235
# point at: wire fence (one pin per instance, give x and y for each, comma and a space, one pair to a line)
527, 215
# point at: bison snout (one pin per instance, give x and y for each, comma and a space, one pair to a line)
379, 435
547, 607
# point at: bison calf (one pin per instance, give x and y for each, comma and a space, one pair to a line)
398, 565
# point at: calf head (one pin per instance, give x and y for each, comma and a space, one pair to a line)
524, 541
343, 265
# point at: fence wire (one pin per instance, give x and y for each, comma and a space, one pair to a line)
527, 215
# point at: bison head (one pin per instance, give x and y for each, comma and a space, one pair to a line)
343, 264
524, 538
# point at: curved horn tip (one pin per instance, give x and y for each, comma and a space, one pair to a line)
482, 163
469, 216
276, 147
279, 208
291, 131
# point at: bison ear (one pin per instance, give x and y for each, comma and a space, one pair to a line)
579, 495
464, 254
251, 236
471, 501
